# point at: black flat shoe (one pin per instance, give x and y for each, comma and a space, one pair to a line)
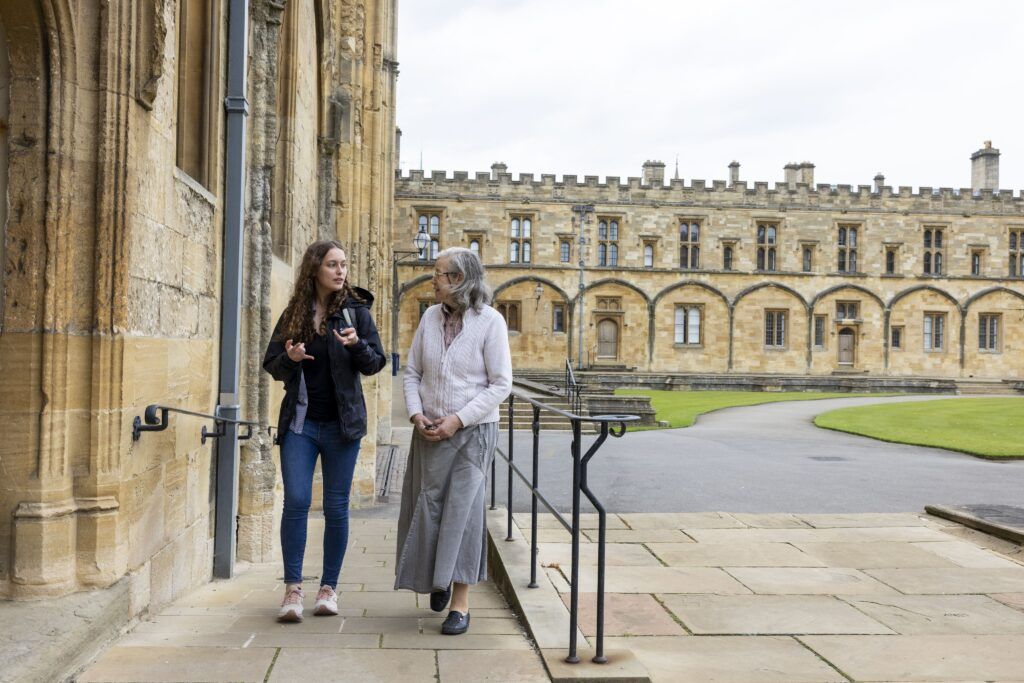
456, 623
439, 599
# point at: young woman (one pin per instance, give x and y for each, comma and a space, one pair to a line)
323, 342
459, 371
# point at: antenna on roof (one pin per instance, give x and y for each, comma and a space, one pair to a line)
677, 167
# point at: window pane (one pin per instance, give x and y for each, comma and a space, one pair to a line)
780, 329
760, 258
515, 227
841, 261
807, 260
680, 325
474, 247
602, 231
693, 326
928, 333
435, 222
842, 237
927, 263
613, 230
513, 253
684, 232
853, 237
423, 223
695, 257
1013, 240
938, 335
771, 259
771, 235
938, 239
927, 239
526, 252
982, 332
433, 249
769, 328
727, 258
684, 257
601, 254
648, 256
890, 261
760, 234
938, 263
853, 261
527, 224
564, 248
613, 255
694, 232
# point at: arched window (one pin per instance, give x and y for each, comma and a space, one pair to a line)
767, 234
602, 254
520, 230
1017, 253
474, 246
933, 251
564, 251
613, 254
648, 256
689, 244
807, 259
687, 324
608, 241
847, 251
727, 258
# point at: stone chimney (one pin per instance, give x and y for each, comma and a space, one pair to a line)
985, 168
654, 173
806, 174
734, 172
498, 167
792, 175
879, 181
398, 148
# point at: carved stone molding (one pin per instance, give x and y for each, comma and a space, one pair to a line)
150, 40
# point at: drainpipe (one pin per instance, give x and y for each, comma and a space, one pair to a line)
237, 110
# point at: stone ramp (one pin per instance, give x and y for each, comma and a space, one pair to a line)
783, 597
226, 631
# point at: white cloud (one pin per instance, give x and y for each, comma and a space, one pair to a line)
596, 87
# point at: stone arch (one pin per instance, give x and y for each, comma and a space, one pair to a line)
691, 283
1001, 356
749, 350
971, 300
778, 285
831, 290
614, 281
531, 278
868, 333
411, 284
918, 288
712, 318
912, 357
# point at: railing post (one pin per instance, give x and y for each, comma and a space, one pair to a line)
511, 445
574, 586
599, 657
533, 502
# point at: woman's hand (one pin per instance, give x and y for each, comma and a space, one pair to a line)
442, 429
347, 337
423, 426
297, 352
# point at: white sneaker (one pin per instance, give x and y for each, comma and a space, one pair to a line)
291, 605
326, 602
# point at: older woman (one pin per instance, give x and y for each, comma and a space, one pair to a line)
459, 370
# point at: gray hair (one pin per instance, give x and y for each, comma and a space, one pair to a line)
473, 290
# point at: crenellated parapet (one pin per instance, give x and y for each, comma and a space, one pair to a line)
696, 192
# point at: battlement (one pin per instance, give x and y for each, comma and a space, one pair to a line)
487, 185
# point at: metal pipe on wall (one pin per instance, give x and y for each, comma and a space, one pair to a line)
236, 108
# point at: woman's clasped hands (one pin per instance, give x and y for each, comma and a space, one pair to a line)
436, 430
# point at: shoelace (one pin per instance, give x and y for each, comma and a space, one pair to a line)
325, 594
293, 597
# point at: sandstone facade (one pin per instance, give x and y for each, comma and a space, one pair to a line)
113, 167
840, 269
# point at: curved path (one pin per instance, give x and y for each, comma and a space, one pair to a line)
770, 458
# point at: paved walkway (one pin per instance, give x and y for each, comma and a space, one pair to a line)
788, 598
226, 631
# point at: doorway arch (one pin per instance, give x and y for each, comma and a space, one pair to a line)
607, 340
847, 346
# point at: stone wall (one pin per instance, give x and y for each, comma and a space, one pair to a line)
112, 273
733, 300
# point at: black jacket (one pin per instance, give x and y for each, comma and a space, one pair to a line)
365, 357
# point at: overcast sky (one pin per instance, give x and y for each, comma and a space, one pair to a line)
595, 87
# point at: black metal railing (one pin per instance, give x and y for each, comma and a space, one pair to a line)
155, 423
580, 461
573, 390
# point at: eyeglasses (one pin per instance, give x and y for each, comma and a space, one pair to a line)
448, 274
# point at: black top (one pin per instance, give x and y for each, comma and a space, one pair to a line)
323, 402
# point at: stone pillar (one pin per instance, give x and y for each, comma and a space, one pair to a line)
879, 182
792, 175
806, 174
985, 168
734, 172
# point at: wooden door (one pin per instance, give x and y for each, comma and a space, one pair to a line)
846, 343
607, 339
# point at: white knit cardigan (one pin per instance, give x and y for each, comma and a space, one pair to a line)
469, 379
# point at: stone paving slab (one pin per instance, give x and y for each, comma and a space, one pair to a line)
728, 659
617, 554
965, 554
729, 555
807, 580
884, 554
508, 666
952, 580
369, 666
663, 580
769, 615
681, 520
634, 536
866, 519
829, 535
942, 614
923, 658
626, 614
170, 664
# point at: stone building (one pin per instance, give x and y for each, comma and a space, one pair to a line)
735, 277
112, 173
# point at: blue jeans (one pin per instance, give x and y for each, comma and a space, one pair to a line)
298, 460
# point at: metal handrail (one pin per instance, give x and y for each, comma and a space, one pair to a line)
159, 424
573, 389
579, 485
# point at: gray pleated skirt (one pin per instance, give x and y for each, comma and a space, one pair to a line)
442, 530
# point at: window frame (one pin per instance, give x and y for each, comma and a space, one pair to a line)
893, 268
564, 251
432, 221
897, 336
649, 262
934, 241
520, 247
555, 309
780, 334
608, 245
986, 333
506, 308
767, 246
928, 331
821, 318
692, 246
1015, 251
686, 308
847, 246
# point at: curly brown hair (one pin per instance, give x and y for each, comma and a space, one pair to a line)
297, 319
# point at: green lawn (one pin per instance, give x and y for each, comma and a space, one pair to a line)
989, 427
681, 408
